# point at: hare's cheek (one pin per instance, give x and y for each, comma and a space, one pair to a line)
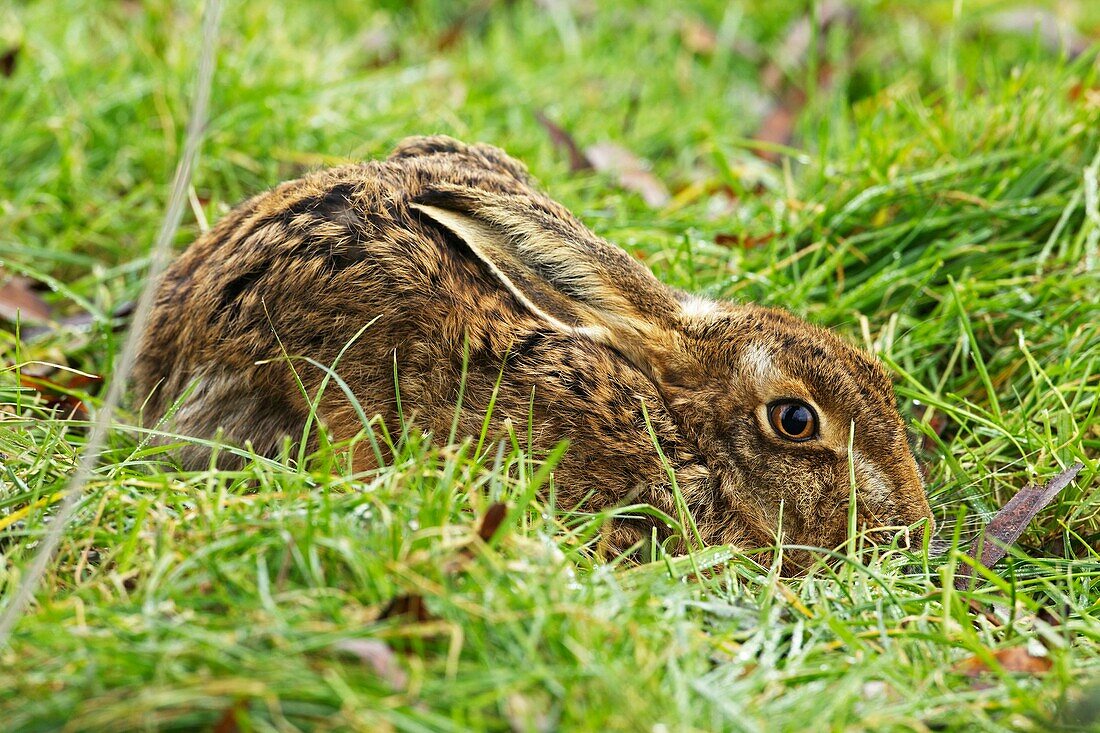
875, 496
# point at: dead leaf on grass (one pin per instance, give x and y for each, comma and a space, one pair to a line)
1011, 521
1015, 660
8, 59
19, 301
490, 523
562, 140
379, 46
380, 657
778, 124
631, 172
744, 241
794, 50
1089, 96
471, 16
228, 722
411, 605
698, 37
59, 395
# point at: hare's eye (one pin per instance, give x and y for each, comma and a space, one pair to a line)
793, 420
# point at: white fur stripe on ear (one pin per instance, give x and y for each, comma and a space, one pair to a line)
484, 241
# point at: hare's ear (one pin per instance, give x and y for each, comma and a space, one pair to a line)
559, 270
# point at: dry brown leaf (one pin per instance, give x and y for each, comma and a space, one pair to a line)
228, 722
8, 59
490, 523
450, 35
632, 172
412, 605
471, 15
1050, 618
795, 47
698, 37
380, 47
1015, 660
1011, 521
562, 140
58, 396
19, 301
1089, 96
379, 657
745, 241
778, 125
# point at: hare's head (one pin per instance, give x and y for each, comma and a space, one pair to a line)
794, 421
788, 420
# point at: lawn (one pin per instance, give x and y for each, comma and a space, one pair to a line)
920, 176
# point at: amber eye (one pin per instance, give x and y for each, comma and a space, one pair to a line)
793, 420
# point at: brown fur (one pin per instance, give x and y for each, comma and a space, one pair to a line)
444, 242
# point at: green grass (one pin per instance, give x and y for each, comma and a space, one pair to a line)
943, 210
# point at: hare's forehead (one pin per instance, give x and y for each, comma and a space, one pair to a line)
826, 368
757, 361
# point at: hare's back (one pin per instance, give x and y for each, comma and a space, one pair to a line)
299, 270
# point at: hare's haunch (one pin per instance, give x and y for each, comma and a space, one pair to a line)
459, 263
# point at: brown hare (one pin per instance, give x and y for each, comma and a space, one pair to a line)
460, 269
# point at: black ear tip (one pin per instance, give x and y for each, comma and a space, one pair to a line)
447, 198
434, 197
